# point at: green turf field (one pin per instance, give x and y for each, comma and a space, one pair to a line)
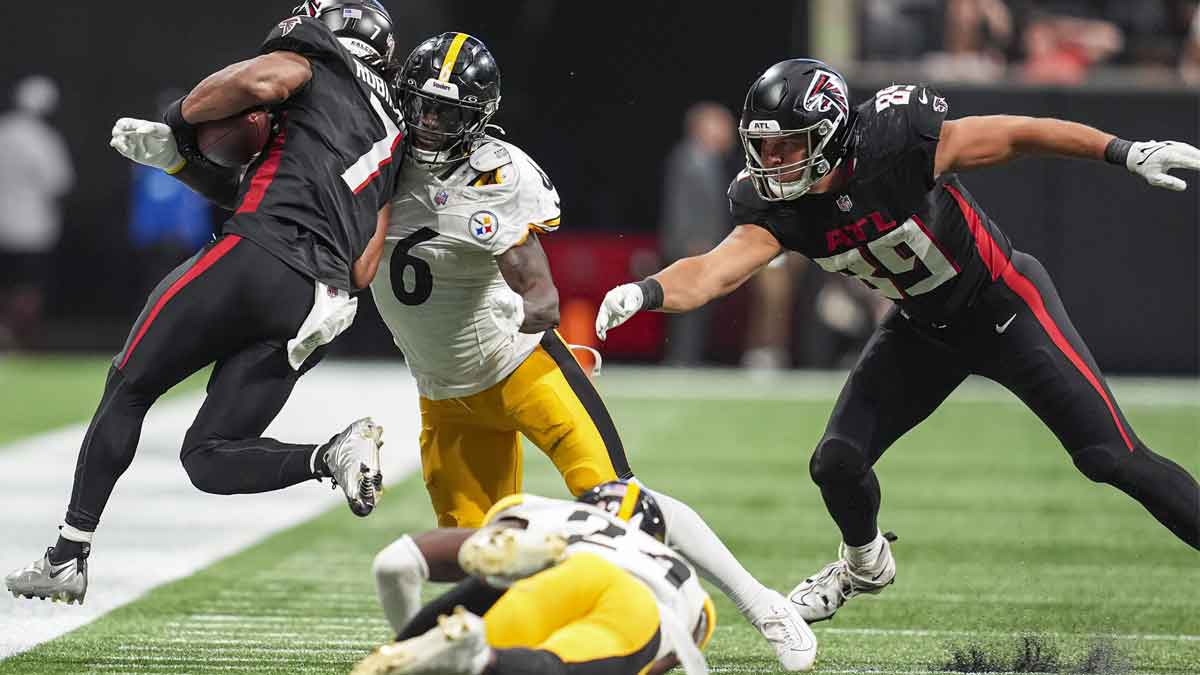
999, 537
44, 392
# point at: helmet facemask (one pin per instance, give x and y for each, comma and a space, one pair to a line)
443, 129
768, 181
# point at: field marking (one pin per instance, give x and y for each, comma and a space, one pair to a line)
158, 527
730, 384
919, 632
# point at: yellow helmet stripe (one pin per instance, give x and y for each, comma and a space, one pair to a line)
629, 502
451, 56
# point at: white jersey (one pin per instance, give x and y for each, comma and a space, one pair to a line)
590, 529
439, 274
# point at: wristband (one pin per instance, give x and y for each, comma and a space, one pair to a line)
652, 293
184, 131
1117, 151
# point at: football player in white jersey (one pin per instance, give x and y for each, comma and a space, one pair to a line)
465, 289
593, 590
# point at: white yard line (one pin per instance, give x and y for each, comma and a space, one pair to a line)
157, 527
918, 632
732, 384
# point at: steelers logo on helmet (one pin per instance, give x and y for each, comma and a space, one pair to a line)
449, 89
794, 127
628, 501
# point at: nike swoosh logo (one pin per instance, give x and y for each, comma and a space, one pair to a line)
923, 99
1001, 327
1146, 152
55, 572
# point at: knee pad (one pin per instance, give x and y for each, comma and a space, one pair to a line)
837, 461
1099, 462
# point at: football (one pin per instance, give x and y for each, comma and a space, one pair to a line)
234, 141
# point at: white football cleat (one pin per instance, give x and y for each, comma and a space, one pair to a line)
456, 646
820, 596
502, 556
794, 642
353, 461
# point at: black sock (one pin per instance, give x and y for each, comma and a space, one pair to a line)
476, 596
67, 549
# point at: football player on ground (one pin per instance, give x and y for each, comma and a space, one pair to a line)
872, 193
594, 590
466, 290
264, 297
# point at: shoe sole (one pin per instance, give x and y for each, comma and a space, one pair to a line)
374, 479
498, 555
396, 659
66, 597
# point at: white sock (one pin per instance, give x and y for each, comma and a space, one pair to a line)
74, 534
866, 556
694, 539
400, 570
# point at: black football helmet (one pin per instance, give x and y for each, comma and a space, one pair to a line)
363, 27
798, 97
449, 89
628, 501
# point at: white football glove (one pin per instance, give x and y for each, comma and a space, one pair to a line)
619, 304
146, 142
508, 310
1153, 159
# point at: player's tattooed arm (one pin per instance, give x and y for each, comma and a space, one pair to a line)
265, 80
367, 264
692, 282
986, 140
527, 271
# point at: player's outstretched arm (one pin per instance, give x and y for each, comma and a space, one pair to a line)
526, 270
692, 282
974, 142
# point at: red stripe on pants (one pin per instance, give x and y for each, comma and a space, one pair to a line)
1001, 268
266, 173
206, 261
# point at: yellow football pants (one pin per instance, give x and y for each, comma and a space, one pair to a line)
585, 610
471, 446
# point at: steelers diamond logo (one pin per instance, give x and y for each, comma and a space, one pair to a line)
484, 225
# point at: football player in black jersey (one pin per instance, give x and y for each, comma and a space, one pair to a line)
871, 192
265, 297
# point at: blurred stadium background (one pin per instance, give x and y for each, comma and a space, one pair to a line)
618, 102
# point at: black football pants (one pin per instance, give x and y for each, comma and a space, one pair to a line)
236, 305
1018, 334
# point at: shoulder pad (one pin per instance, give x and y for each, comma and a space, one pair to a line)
489, 157
305, 36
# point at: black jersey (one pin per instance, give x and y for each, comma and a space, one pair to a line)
921, 242
312, 196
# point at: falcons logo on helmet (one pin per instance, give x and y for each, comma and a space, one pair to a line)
307, 8
826, 91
